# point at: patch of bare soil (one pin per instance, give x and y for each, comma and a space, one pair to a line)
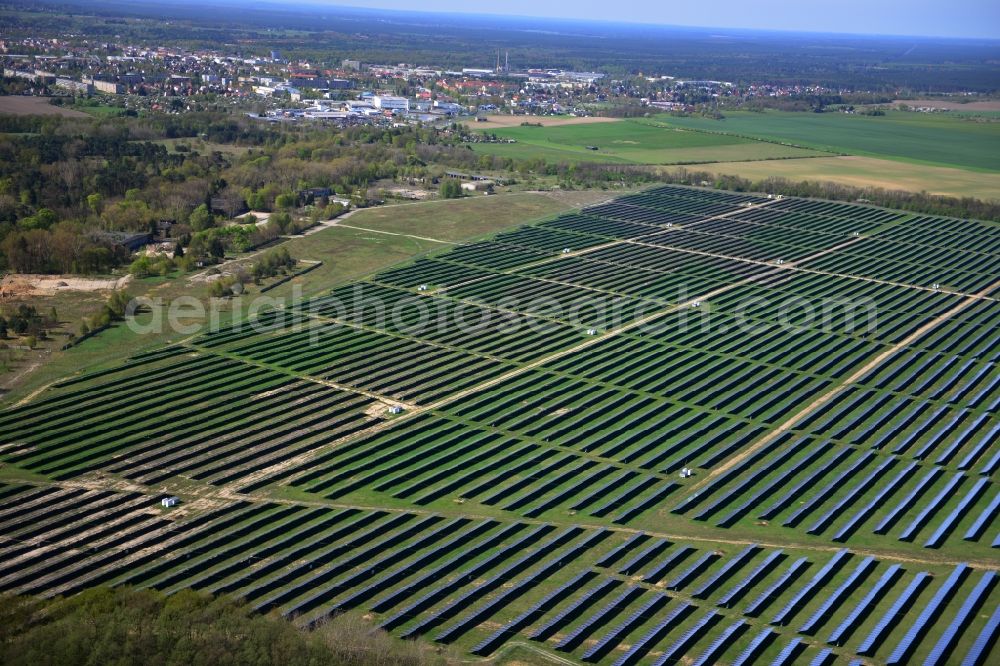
377, 410
15, 285
21, 105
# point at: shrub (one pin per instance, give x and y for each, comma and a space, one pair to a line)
451, 189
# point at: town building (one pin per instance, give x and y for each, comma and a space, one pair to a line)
391, 103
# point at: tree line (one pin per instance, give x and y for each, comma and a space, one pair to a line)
128, 626
65, 182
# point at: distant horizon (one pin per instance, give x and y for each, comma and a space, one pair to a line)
967, 24
966, 20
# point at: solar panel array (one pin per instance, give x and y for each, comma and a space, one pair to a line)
827, 373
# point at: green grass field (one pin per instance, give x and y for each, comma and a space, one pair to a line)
633, 142
349, 253
938, 139
99, 110
858, 171
461, 219
950, 154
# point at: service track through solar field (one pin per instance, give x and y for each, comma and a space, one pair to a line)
489, 446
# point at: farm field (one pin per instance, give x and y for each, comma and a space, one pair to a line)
935, 139
858, 171
21, 105
502, 120
989, 105
631, 141
483, 445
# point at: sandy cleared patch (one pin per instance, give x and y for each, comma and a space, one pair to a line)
545, 121
16, 285
991, 105
377, 410
20, 105
261, 216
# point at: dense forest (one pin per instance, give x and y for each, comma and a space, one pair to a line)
144, 627
68, 186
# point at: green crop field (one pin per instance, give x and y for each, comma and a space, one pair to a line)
943, 153
633, 142
938, 139
857, 171
680, 426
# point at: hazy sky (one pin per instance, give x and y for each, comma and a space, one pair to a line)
952, 18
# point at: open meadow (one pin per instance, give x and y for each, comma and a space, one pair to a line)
498, 121
858, 171
938, 153
632, 142
938, 139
